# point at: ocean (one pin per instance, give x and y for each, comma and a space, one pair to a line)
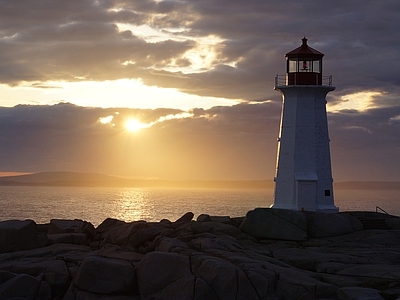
94, 204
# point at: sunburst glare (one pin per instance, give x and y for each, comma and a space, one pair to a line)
133, 125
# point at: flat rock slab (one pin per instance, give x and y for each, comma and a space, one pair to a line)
330, 224
16, 235
106, 275
281, 224
164, 275
22, 286
358, 293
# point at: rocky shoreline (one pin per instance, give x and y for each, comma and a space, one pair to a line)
269, 254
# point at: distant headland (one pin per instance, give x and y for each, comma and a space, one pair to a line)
76, 179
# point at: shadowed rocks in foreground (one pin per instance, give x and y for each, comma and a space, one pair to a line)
269, 254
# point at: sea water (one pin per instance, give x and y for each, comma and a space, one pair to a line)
95, 204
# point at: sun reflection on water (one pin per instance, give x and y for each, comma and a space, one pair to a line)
133, 205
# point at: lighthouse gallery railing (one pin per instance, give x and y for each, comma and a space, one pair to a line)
281, 80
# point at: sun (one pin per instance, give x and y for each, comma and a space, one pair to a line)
134, 125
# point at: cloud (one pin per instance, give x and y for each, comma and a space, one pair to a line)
67, 40
237, 142
365, 145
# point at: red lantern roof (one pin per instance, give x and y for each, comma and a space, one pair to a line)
304, 50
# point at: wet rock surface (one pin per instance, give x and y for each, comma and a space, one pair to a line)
270, 254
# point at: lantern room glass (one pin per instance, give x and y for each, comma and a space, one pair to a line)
304, 65
317, 66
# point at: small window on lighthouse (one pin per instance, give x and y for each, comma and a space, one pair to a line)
316, 66
292, 66
327, 193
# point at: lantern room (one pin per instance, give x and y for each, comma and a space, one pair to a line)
304, 66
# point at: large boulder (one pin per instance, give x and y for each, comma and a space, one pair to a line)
203, 218
393, 222
376, 272
217, 278
262, 277
16, 235
53, 265
58, 226
165, 275
294, 284
114, 251
167, 244
52, 271
108, 224
105, 275
67, 238
321, 225
22, 286
271, 223
358, 293
120, 234
146, 234
216, 228
136, 235
187, 217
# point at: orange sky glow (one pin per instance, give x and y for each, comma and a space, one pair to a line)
185, 89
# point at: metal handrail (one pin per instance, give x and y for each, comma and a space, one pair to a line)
381, 209
281, 80
327, 80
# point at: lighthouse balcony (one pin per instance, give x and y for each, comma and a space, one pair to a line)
302, 79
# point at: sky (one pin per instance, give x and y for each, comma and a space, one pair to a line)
185, 89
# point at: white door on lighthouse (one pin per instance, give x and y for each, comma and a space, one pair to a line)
306, 193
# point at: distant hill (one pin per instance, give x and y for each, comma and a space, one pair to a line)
57, 176
96, 179
367, 185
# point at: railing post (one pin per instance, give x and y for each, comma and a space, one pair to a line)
378, 208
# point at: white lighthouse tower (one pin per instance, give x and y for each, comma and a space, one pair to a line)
303, 179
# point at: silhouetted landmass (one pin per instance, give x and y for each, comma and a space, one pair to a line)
99, 180
95, 179
368, 185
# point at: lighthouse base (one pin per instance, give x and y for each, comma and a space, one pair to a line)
327, 208
319, 208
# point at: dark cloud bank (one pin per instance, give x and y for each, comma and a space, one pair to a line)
237, 142
70, 40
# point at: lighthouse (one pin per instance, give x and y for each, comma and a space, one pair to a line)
303, 178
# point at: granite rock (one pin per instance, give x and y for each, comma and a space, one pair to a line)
211, 258
358, 293
328, 224
22, 286
163, 275
18, 235
58, 226
106, 275
268, 223
187, 217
